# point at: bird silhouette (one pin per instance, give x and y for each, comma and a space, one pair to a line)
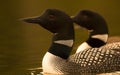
58, 60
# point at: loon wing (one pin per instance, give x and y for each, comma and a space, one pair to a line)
97, 60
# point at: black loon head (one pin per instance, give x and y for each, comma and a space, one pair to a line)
91, 21
52, 19
61, 25
94, 22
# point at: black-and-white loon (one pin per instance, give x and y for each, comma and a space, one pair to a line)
97, 26
57, 59
95, 23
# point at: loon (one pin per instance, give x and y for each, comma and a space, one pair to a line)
58, 60
98, 28
95, 23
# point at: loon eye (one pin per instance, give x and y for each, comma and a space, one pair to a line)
85, 16
51, 17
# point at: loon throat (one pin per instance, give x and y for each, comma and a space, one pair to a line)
62, 43
59, 51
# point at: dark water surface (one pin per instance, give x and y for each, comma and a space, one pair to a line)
23, 45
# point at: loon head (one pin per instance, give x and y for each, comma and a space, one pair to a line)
52, 19
91, 21
97, 25
61, 25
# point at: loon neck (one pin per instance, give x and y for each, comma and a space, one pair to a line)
62, 42
98, 36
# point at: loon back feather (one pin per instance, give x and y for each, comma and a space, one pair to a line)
93, 60
113, 39
98, 60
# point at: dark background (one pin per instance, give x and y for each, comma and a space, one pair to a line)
23, 45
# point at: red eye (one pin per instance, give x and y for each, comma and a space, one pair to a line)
52, 17
85, 17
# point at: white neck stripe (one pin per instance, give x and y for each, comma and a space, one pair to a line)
102, 37
65, 42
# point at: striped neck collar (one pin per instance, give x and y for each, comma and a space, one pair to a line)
97, 38
62, 42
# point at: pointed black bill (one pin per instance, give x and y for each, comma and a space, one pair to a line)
31, 20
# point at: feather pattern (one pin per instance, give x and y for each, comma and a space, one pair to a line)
93, 60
